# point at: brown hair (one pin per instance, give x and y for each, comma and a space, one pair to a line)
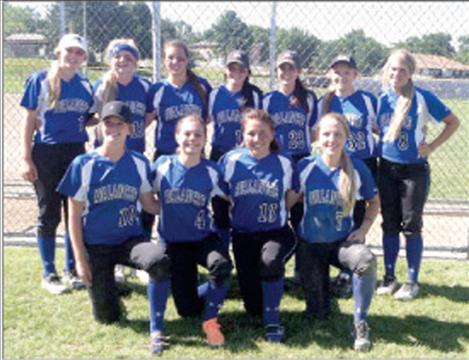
407, 92
193, 79
347, 181
263, 116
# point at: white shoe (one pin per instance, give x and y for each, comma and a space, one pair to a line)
72, 280
53, 284
143, 276
408, 291
361, 335
387, 286
119, 273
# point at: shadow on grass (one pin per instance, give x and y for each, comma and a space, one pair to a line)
243, 332
454, 293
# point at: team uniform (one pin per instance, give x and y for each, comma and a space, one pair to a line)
402, 168
59, 139
360, 111
323, 231
293, 124
134, 95
112, 229
186, 228
225, 112
171, 104
262, 239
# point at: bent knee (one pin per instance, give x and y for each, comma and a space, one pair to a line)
159, 270
220, 271
367, 263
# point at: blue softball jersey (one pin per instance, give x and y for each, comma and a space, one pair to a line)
324, 219
425, 108
66, 122
171, 104
292, 123
185, 195
110, 191
360, 111
134, 95
224, 110
257, 189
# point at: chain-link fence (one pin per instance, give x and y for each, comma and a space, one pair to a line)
436, 31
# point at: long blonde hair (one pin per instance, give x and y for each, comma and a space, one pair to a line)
54, 76
110, 76
347, 181
407, 92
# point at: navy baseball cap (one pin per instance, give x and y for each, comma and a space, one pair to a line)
118, 109
344, 59
238, 57
289, 57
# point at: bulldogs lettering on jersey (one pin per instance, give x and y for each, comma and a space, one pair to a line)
324, 219
110, 193
66, 122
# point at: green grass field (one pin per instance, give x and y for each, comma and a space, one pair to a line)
450, 164
39, 325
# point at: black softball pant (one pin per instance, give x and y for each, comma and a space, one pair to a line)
260, 256
52, 161
210, 253
137, 253
403, 189
315, 259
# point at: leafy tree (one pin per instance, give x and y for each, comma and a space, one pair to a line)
463, 52
20, 20
305, 44
368, 53
436, 44
230, 32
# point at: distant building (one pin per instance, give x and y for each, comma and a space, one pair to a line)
25, 45
440, 67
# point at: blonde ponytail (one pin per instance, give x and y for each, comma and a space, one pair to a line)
407, 92
54, 84
109, 86
347, 183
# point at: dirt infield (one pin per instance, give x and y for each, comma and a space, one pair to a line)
446, 226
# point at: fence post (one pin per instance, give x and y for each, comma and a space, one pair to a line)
85, 70
272, 46
62, 18
155, 9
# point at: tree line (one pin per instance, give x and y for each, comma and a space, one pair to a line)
106, 20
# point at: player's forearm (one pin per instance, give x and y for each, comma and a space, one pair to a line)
451, 125
28, 129
371, 213
76, 229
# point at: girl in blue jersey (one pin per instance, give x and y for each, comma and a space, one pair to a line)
181, 94
185, 183
226, 104
122, 83
57, 103
228, 101
105, 187
404, 172
258, 178
294, 111
359, 108
329, 183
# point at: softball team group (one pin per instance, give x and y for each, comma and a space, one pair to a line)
263, 191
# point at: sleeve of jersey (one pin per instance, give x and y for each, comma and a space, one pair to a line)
159, 168
435, 106
74, 182
220, 187
32, 89
151, 97
296, 185
143, 169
